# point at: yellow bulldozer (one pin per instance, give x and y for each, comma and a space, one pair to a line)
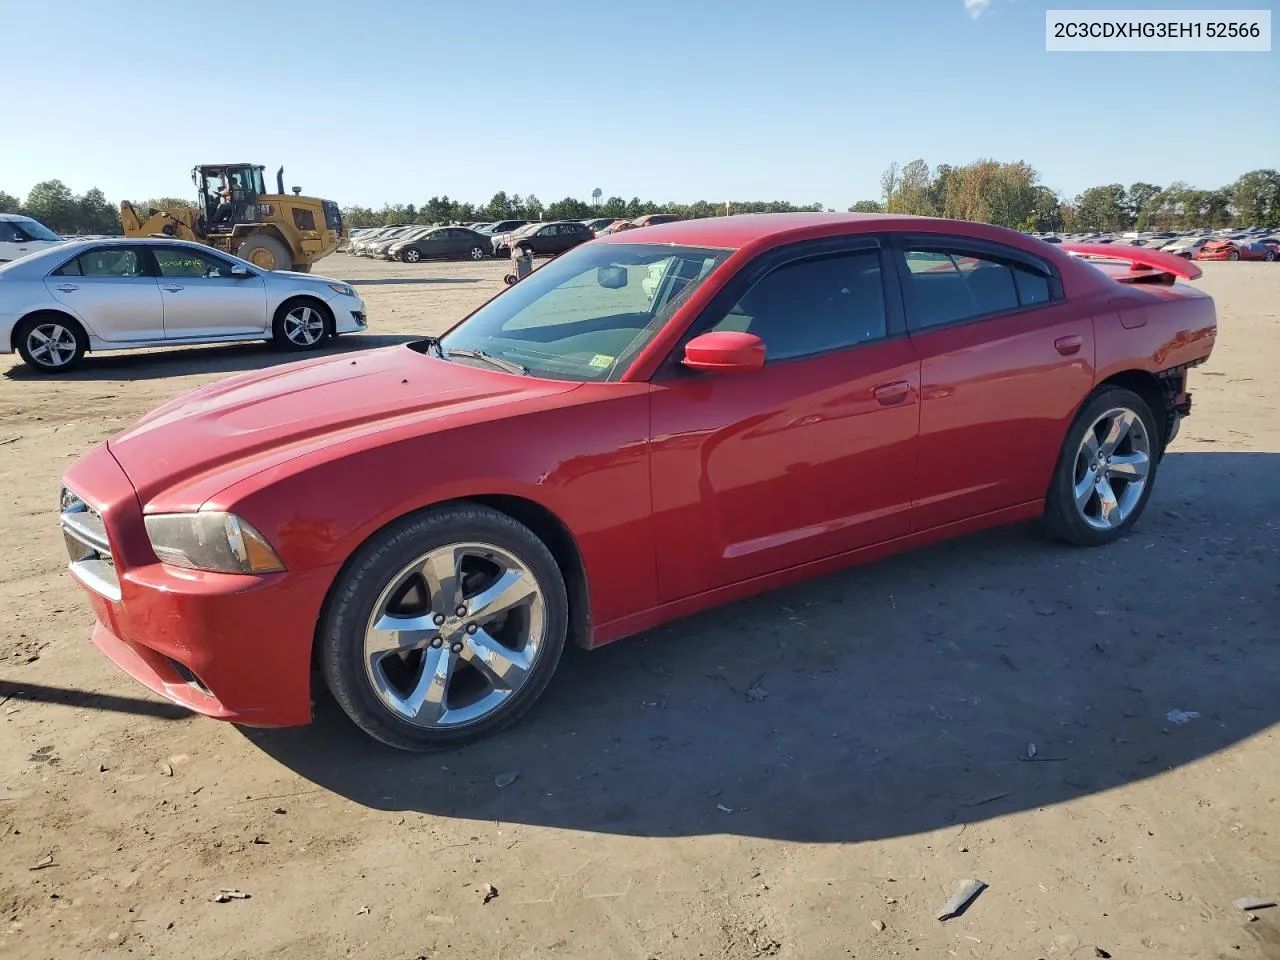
234, 213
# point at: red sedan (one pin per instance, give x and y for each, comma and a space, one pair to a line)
1236, 250
588, 455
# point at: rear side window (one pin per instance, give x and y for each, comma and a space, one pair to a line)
944, 287
813, 306
104, 263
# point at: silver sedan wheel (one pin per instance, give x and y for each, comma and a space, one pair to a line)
1111, 470
455, 634
304, 326
51, 345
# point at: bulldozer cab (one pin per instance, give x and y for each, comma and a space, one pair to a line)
228, 194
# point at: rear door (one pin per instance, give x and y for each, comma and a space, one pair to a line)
202, 299
1005, 362
113, 290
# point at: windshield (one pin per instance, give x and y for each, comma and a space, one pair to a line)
588, 313
36, 230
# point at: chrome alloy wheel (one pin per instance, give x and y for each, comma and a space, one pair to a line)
1111, 469
455, 634
51, 345
304, 326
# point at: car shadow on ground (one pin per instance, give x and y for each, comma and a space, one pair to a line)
894, 698
185, 361
402, 281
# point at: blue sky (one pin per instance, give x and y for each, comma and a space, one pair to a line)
802, 100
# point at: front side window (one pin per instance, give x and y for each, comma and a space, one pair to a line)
191, 264
950, 286
814, 305
586, 314
29, 230
105, 263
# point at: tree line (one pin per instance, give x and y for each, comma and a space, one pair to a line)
1010, 194
990, 191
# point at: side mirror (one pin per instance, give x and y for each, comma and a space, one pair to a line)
724, 351
612, 278
239, 271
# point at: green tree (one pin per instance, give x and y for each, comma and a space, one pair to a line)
1255, 199
51, 202
867, 206
1102, 208
1140, 197
9, 203
499, 207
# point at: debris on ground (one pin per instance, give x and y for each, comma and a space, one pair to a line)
42, 863
1099, 952
1181, 716
490, 891
506, 779
362, 911
961, 899
1252, 903
878, 924
166, 769
278, 810
756, 692
1031, 751
226, 896
981, 800
723, 809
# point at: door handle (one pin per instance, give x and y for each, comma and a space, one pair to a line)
1068, 345
887, 394
173, 287
67, 287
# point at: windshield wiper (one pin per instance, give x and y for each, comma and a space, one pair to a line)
510, 366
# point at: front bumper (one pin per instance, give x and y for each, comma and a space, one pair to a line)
228, 646
349, 314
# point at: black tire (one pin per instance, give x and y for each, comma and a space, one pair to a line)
509, 279
48, 323
477, 252
340, 637
1061, 519
282, 327
280, 256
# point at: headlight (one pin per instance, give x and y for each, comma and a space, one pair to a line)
218, 542
342, 289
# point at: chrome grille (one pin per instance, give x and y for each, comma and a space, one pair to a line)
88, 548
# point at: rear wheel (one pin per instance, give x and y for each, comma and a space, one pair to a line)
1105, 471
445, 628
301, 325
265, 251
51, 343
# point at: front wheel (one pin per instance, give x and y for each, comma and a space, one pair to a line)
411, 255
445, 628
1105, 471
1233, 255
476, 253
301, 325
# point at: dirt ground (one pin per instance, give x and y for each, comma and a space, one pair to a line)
662, 810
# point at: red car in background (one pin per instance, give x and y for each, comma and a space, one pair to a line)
588, 455
1236, 250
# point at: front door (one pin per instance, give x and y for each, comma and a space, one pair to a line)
113, 291
1005, 362
202, 299
809, 457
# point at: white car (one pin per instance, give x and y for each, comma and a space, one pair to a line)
20, 236
119, 294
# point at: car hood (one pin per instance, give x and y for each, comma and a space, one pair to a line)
199, 444
294, 275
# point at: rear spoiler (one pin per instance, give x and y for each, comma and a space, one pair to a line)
1144, 265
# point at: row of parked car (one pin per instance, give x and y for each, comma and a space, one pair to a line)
412, 243
1253, 243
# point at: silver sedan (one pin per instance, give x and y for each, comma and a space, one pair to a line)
119, 294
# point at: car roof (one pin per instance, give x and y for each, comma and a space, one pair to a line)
749, 228
70, 248
16, 216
